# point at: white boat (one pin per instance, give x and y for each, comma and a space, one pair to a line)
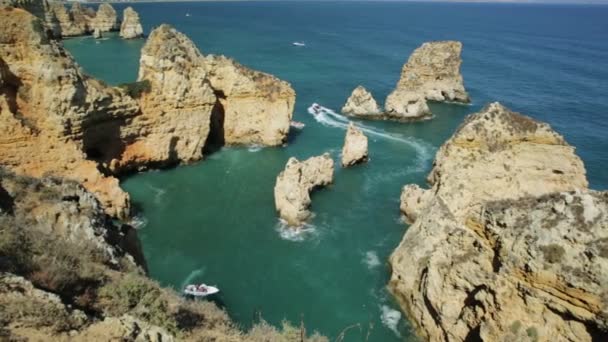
187, 14
201, 290
297, 124
298, 44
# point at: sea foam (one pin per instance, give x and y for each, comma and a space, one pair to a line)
390, 318
371, 259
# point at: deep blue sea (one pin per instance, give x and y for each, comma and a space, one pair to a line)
215, 222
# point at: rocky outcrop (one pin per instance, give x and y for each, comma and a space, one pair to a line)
131, 27
177, 110
106, 19
433, 70
75, 22
508, 244
361, 103
97, 34
53, 116
404, 104
41, 9
355, 147
257, 107
294, 184
204, 94
431, 73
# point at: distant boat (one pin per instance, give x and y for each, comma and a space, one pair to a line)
297, 125
187, 14
298, 44
201, 290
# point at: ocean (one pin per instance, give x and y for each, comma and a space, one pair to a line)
215, 222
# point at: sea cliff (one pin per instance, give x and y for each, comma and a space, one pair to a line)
508, 243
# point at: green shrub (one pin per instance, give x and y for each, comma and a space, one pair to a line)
135, 89
140, 297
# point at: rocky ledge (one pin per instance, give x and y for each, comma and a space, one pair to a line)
508, 244
355, 147
130, 27
294, 184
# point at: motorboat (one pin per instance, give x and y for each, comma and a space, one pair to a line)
298, 44
200, 290
297, 124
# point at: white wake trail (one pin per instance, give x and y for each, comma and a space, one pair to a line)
329, 118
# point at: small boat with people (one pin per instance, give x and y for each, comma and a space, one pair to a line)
200, 290
297, 124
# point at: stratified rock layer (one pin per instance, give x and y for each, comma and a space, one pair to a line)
294, 184
52, 114
257, 107
243, 106
176, 111
361, 103
508, 244
355, 147
130, 27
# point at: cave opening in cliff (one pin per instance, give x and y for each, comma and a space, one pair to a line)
215, 139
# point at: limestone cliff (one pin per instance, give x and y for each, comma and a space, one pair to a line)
130, 27
294, 184
52, 113
354, 150
241, 106
106, 19
177, 110
361, 103
257, 107
508, 244
41, 9
71, 23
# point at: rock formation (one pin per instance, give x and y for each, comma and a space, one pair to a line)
433, 70
257, 107
431, 73
205, 94
131, 27
294, 184
405, 104
177, 110
106, 19
508, 244
53, 115
361, 103
355, 147
97, 34
39, 8
68, 26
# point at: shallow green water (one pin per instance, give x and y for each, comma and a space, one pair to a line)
215, 221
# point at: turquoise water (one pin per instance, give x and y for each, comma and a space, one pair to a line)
215, 221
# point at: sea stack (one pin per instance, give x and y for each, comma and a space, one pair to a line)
508, 244
294, 184
355, 147
131, 27
361, 103
67, 25
106, 19
431, 73
97, 34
